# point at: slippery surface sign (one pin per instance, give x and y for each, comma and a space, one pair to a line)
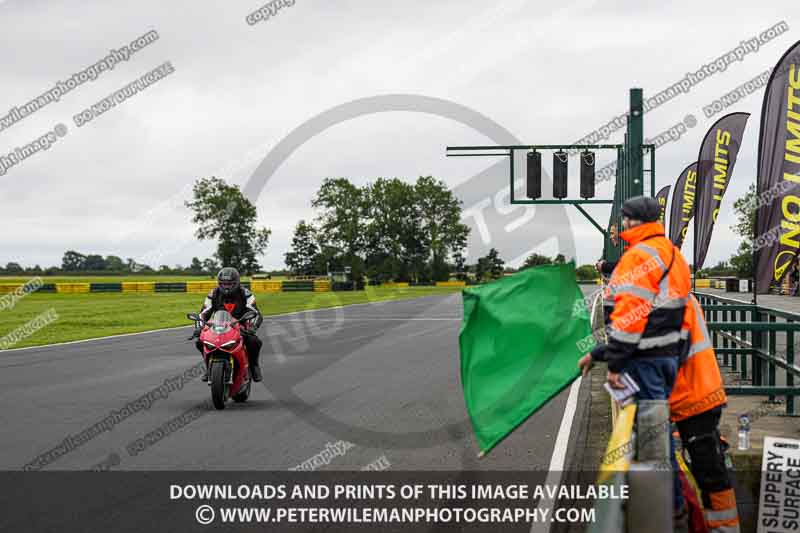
779, 504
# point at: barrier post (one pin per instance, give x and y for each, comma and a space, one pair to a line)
650, 478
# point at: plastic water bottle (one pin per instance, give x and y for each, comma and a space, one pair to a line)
744, 432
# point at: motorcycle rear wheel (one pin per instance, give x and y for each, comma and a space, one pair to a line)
219, 389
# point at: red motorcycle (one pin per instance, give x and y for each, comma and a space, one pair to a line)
225, 355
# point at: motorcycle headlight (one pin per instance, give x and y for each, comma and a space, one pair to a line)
229, 344
210, 345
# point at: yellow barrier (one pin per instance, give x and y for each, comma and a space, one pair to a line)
703, 283
72, 288
451, 283
138, 286
395, 285
322, 285
264, 286
5, 288
620, 445
200, 287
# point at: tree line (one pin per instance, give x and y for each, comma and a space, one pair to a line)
73, 262
386, 230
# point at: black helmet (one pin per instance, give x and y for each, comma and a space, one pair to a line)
641, 208
228, 280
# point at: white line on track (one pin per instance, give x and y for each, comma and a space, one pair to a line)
559, 456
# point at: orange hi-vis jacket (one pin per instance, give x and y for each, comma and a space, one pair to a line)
698, 386
649, 290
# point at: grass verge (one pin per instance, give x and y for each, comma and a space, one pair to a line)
88, 316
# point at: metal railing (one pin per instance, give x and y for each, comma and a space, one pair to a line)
757, 342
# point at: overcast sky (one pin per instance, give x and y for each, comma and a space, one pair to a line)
545, 72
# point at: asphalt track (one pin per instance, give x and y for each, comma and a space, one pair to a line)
383, 377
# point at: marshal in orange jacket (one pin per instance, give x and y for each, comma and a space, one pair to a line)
698, 385
648, 293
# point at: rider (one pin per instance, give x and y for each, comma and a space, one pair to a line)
230, 295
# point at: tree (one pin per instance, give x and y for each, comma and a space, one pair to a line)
745, 208
393, 232
481, 268
586, 273
222, 212
73, 261
196, 267
14, 268
210, 266
490, 264
114, 263
459, 260
560, 259
536, 260
342, 209
94, 262
302, 256
440, 221
496, 265
742, 262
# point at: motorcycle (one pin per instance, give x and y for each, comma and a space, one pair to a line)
225, 355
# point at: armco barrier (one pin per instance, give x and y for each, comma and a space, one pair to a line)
395, 285
203, 287
451, 283
322, 285
6, 288
293, 285
9, 287
170, 286
105, 287
265, 286
200, 287
138, 286
73, 288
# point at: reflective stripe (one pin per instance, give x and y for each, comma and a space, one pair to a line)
635, 290
698, 347
624, 336
662, 340
670, 303
721, 514
653, 253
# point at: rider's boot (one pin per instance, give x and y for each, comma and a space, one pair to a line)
255, 372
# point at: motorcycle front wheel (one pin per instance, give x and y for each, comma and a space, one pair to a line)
219, 389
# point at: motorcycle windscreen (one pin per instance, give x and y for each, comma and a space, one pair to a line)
221, 321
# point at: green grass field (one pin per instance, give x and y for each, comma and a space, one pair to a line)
87, 316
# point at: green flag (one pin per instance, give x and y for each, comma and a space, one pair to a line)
520, 343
